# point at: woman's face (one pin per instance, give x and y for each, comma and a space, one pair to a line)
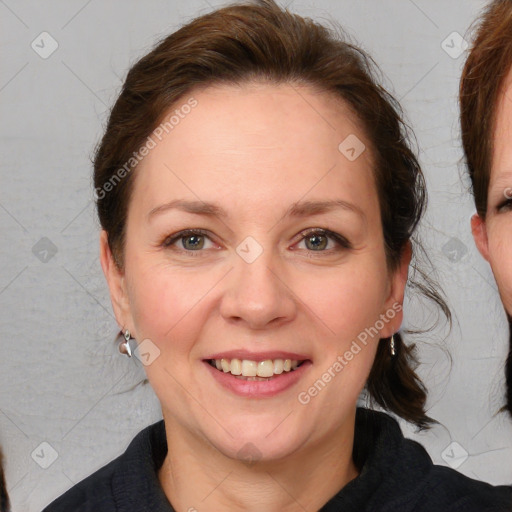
494, 235
284, 260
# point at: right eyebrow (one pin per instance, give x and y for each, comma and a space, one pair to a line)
197, 207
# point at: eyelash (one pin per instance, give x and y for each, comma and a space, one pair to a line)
507, 204
340, 240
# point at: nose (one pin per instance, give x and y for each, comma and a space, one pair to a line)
257, 294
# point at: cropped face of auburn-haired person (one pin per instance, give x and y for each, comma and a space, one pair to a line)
486, 120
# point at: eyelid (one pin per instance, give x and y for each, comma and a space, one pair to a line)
169, 240
339, 239
503, 204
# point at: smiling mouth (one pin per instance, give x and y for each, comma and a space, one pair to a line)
245, 369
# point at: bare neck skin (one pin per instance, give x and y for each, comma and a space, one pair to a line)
195, 476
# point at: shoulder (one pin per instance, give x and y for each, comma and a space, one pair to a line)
125, 478
93, 494
457, 492
400, 475
435, 487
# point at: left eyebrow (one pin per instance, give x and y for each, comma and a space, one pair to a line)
305, 208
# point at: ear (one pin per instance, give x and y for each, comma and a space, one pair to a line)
394, 303
479, 230
116, 283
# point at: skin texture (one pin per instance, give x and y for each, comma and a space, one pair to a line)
493, 235
255, 150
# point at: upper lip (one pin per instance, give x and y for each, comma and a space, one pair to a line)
258, 356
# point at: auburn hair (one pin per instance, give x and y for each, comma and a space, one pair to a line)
488, 64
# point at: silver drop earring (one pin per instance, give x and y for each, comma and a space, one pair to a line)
392, 345
124, 346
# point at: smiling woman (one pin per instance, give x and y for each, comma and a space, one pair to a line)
259, 253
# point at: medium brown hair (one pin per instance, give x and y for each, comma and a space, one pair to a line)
259, 41
481, 85
4, 498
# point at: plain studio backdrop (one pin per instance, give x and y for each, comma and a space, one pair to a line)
69, 401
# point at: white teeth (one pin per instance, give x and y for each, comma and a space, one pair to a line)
254, 369
236, 367
278, 366
249, 368
265, 368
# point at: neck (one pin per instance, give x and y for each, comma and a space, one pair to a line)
196, 477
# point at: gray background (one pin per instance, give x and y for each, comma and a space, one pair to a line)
62, 380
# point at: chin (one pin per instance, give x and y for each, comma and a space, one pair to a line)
257, 444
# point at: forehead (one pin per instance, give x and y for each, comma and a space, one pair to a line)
258, 140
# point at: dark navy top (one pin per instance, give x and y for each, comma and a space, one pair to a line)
396, 475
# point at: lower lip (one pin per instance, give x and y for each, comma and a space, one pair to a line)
258, 388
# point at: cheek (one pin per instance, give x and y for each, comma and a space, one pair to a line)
347, 302
164, 301
500, 255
